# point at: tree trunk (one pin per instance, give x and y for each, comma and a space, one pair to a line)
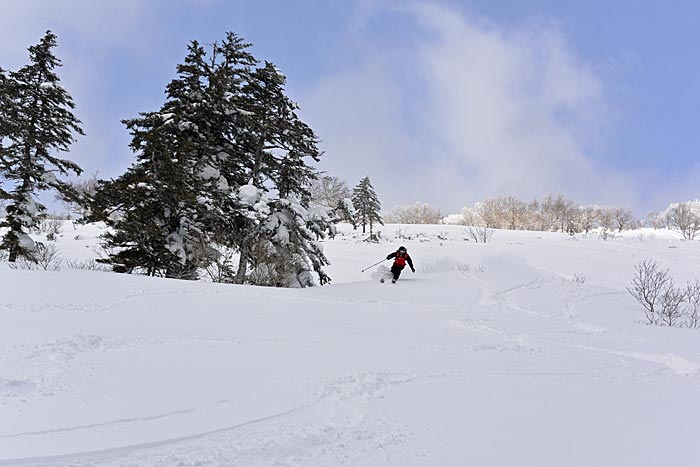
13, 254
242, 265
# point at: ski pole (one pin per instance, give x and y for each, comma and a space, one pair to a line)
370, 267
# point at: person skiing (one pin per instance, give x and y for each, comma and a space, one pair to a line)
401, 257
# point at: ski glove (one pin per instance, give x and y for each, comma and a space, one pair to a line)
388, 257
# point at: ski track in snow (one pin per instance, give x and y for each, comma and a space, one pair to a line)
304, 435
675, 363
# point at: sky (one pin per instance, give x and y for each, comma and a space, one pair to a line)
445, 102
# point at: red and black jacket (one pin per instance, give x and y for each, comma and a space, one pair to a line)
400, 259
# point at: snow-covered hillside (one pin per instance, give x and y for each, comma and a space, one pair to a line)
526, 351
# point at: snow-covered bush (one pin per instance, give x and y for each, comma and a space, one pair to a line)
86, 265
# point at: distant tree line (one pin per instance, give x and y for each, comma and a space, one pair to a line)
555, 213
417, 213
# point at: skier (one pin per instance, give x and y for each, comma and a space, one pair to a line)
401, 257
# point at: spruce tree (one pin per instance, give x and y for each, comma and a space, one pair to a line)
37, 123
6, 105
284, 234
224, 160
158, 209
367, 206
345, 212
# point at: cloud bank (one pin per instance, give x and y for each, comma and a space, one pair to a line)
465, 109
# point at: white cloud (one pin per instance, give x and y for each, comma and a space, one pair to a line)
467, 110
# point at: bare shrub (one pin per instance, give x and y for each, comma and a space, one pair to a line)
480, 234
463, 267
647, 287
670, 311
223, 268
478, 227
692, 304
578, 279
403, 234
45, 257
52, 227
86, 265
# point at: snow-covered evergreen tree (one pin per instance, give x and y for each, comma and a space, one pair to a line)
162, 203
345, 212
37, 123
6, 105
367, 206
281, 145
225, 161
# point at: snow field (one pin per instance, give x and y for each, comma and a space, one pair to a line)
491, 354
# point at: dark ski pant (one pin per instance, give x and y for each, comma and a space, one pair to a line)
396, 271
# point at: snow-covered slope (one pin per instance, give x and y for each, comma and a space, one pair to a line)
490, 355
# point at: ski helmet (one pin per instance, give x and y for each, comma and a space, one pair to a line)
402, 248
